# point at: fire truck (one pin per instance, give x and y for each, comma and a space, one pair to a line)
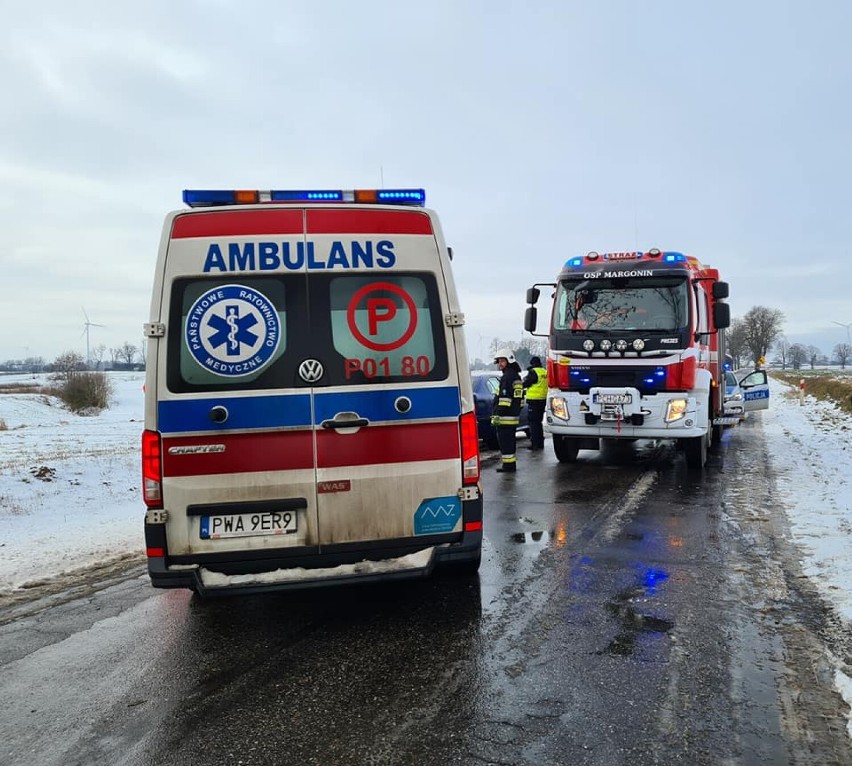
635, 351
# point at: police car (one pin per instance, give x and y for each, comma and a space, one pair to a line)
745, 393
309, 417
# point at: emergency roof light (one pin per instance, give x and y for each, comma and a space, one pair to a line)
213, 197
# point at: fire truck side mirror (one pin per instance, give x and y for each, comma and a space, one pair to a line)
530, 317
720, 290
533, 294
721, 314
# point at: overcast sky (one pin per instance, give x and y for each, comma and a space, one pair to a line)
540, 131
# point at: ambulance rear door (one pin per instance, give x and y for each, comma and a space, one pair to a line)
235, 417
386, 401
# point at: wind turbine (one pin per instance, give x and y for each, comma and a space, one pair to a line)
86, 325
847, 326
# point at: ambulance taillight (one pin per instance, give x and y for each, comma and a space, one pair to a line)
470, 448
152, 469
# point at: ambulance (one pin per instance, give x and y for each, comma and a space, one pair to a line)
309, 418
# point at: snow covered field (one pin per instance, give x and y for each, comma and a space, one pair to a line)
70, 486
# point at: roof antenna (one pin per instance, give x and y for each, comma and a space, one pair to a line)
382, 176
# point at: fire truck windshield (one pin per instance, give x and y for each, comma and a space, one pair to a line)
622, 304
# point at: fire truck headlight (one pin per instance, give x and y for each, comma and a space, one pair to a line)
589, 345
606, 344
559, 408
638, 344
675, 410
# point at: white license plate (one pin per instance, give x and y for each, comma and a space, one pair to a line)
248, 524
614, 399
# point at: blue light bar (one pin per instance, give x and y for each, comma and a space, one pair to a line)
307, 196
210, 197
574, 263
205, 197
674, 257
408, 196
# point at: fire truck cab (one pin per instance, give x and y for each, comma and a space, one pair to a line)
635, 351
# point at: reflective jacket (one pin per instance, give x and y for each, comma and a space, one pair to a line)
536, 383
507, 402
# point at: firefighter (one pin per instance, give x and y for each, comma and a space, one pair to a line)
507, 408
535, 385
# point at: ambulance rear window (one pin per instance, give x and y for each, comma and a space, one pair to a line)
302, 330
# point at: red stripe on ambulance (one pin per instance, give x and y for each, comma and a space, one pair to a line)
238, 223
367, 222
290, 450
405, 443
237, 453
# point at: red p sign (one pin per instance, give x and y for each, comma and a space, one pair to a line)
380, 309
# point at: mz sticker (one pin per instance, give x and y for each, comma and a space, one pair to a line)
232, 330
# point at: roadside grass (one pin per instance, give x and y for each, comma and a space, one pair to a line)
21, 388
822, 384
85, 393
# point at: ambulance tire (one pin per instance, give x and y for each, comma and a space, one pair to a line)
565, 448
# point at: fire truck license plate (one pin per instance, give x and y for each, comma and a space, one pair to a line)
248, 524
614, 399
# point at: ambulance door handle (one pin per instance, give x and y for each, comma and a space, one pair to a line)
346, 420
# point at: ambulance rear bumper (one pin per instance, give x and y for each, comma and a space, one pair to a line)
218, 575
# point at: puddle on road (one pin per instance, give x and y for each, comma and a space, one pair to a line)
540, 537
635, 625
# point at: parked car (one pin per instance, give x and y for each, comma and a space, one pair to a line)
745, 393
485, 386
733, 402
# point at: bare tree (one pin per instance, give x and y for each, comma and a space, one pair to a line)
814, 355
763, 328
782, 347
98, 354
34, 364
798, 356
842, 353
65, 365
127, 353
735, 339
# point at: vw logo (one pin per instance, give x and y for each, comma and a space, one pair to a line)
311, 370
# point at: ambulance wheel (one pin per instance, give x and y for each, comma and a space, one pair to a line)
565, 448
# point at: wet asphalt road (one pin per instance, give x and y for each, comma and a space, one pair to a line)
627, 611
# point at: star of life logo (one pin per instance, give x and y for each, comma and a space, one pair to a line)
232, 330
